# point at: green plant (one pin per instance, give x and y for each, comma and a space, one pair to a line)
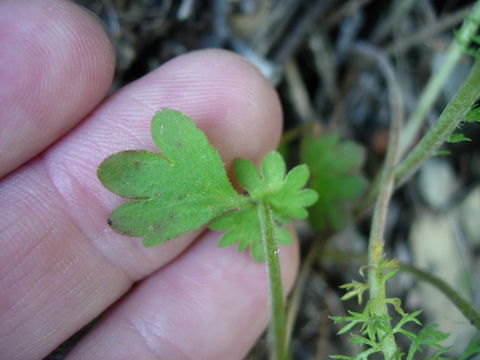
464, 36
378, 333
335, 166
186, 187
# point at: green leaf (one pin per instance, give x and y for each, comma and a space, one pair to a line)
335, 167
457, 137
243, 228
473, 115
174, 192
282, 191
473, 348
354, 288
247, 176
429, 336
186, 186
441, 153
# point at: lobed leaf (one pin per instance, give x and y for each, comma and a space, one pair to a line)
186, 186
457, 137
243, 227
335, 167
174, 192
247, 176
282, 191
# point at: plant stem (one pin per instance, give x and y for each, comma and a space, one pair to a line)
376, 279
449, 119
376, 282
277, 330
434, 85
464, 306
379, 305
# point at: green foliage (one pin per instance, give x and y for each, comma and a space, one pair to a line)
429, 337
335, 167
473, 115
173, 193
371, 325
457, 137
243, 228
473, 348
282, 191
354, 289
471, 43
186, 187
374, 329
441, 152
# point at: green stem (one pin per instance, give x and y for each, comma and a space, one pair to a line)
376, 278
464, 306
379, 308
277, 330
434, 85
376, 282
449, 119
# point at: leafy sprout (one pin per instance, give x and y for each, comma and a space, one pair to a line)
282, 191
186, 187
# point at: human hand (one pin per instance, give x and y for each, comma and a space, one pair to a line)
60, 264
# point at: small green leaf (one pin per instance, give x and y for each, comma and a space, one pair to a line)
429, 336
186, 186
335, 167
174, 192
441, 153
243, 228
473, 348
354, 288
473, 115
273, 169
457, 137
247, 175
282, 191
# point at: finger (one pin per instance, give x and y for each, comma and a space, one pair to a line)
57, 252
56, 65
209, 304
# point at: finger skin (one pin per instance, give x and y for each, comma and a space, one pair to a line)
210, 304
48, 48
63, 265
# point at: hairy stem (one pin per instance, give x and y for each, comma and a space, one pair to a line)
376, 279
451, 116
379, 306
463, 305
277, 330
449, 119
434, 85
